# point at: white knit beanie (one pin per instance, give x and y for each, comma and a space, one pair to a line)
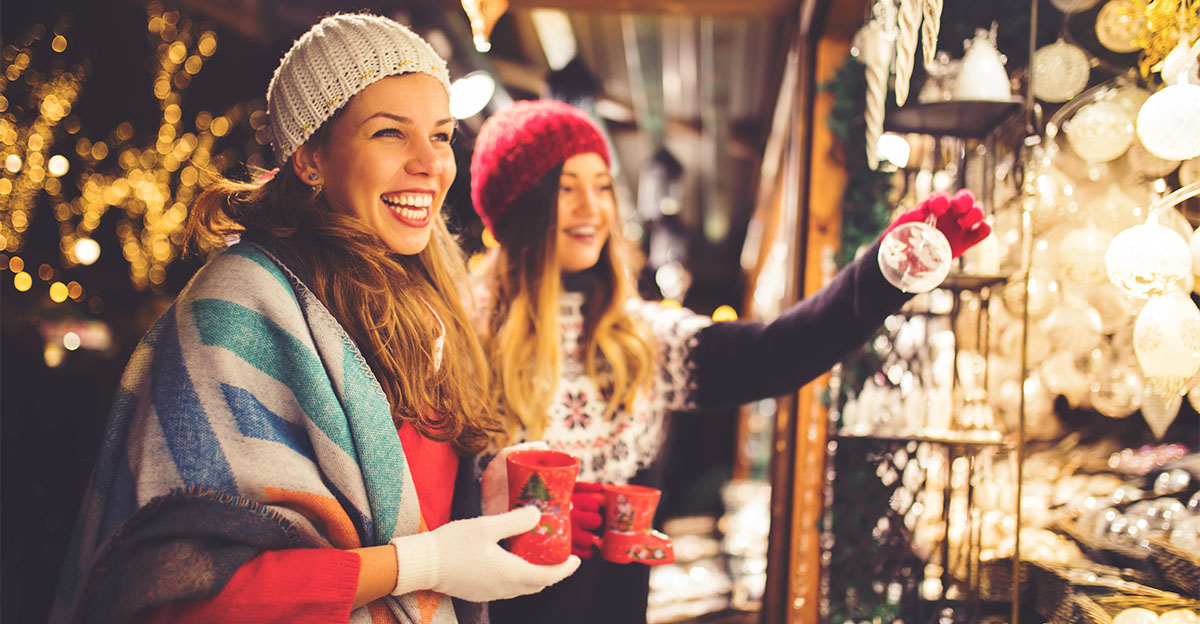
340, 56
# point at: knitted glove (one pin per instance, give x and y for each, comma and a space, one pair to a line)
463, 559
959, 218
587, 499
494, 481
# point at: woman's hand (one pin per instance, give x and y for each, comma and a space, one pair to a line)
959, 218
463, 559
494, 480
587, 500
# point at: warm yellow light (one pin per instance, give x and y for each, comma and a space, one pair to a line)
5, 186
53, 355
59, 44
670, 304
35, 142
22, 281
724, 313
124, 131
13, 163
58, 165
71, 341
87, 251
475, 263
46, 272
20, 220
192, 65
58, 292
489, 239
16, 264
74, 290
207, 44
220, 126
99, 150
177, 52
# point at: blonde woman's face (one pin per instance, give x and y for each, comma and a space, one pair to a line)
388, 160
586, 209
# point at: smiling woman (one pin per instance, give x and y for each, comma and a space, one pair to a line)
295, 437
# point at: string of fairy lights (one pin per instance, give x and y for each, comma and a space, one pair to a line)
150, 179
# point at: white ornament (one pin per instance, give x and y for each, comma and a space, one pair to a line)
1148, 259
1073, 6
1181, 64
915, 257
1081, 255
1117, 391
1060, 72
1118, 23
1194, 247
1136, 616
1166, 341
1189, 171
1159, 410
1100, 131
1074, 327
930, 24
1180, 616
1147, 164
982, 76
906, 46
1169, 122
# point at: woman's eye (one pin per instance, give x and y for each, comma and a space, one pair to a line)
608, 188
565, 189
443, 137
389, 132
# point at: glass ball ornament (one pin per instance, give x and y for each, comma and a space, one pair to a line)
1060, 71
1169, 122
1112, 304
1053, 200
1061, 375
915, 257
1151, 166
1073, 326
1081, 255
1182, 616
1118, 22
1117, 391
1100, 131
1073, 6
1131, 97
1148, 259
1189, 171
1166, 341
1044, 294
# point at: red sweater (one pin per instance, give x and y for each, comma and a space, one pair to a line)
316, 585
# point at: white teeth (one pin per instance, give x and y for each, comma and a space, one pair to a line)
415, 200
585, 230
409, 213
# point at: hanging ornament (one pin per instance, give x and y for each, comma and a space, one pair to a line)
1166, 341
1160, 410
1118, 22
874, 42
915, 257
483, 15
1100, 131
1149, 259
930, 25
1044, 295
909, 22
1081, 255
1194, 247
1116, 390
1147, 164
1131, 97
982, 76
1060, 72
1169, 121
1073, 327
1073, 6
1113, 305
1189, 171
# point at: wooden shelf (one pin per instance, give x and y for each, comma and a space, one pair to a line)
959, 118
953, 438
964, 281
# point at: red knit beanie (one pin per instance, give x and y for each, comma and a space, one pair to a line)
521, 144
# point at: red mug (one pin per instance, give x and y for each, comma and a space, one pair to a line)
544, 479
628, 536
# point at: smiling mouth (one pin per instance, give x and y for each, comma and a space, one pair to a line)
412, 209
582, 232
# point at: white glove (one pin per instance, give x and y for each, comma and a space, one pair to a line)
494, 481
463, 559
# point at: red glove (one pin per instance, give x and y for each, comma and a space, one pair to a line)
586, 502
959, 218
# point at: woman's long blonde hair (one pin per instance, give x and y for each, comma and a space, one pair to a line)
522, 334
383, 299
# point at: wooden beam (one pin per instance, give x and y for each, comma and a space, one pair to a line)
724, 8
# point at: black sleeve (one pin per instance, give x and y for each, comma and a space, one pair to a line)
739, 362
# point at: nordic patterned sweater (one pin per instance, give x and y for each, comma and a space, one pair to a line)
702, 365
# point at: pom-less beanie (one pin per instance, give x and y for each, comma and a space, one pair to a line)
340, 56
521, 144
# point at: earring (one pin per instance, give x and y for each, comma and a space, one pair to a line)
312, 177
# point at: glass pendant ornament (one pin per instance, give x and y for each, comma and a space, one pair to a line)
982, 76
1159, 410
1118, 22
1169, 122
1060, 72
1166, 341
915, 256
1149, 259
1081, 255
1117, 391
1100, 131
1073, 6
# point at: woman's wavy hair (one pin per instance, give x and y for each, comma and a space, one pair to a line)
521, 332
383, 299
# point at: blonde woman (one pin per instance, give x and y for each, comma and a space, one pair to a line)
588, 368
294, 439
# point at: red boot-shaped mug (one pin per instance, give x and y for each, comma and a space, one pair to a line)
543, 479
628, 536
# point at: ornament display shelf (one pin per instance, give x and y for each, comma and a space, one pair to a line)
981, 439
967, 281
968, 119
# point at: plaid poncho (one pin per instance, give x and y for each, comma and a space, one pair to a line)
247, 420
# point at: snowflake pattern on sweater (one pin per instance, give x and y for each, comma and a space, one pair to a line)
613, 448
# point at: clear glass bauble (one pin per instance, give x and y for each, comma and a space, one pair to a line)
1183, 616
982, 76
1100, 131
1044, 294
915, 257
1081, 255
1151, 166
1073, 326
1118, 22
1073, 6
1169, 122
1166, 341
1136, 615
1149, 259
1112, 304
1116, 390
1060, 72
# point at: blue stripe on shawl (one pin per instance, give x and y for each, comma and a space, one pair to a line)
190, 439
250, 252
383, 472
273, 350
254, 420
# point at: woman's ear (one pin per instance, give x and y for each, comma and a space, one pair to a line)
306, 163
